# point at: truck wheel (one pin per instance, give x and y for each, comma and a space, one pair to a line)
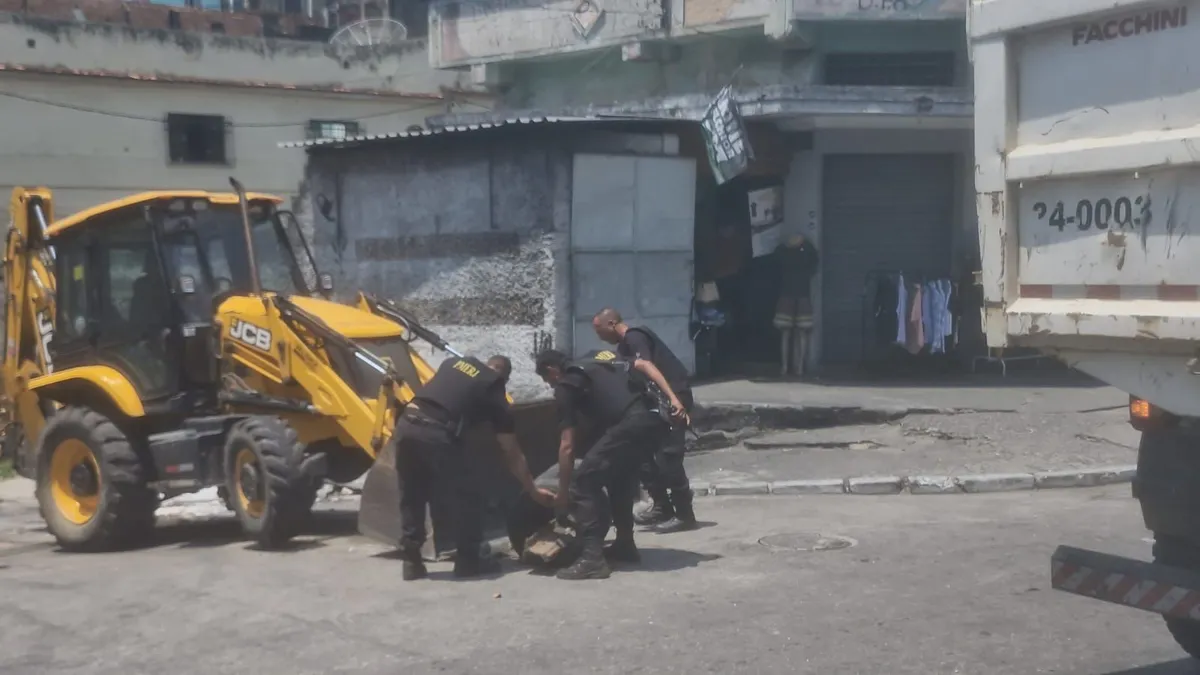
1183, 554
270, 496
91, 484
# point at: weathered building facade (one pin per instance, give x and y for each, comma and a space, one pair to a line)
107, 98
859, 113
499, 237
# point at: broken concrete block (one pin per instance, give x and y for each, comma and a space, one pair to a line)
875, 485
1084, 477
741, 488
996, 482
932, 485
817, 486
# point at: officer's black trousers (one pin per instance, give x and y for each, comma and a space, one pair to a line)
612, 464
664, 471
431, 465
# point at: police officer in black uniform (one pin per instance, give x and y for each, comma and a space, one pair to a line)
664, 476
464, 391
608, 393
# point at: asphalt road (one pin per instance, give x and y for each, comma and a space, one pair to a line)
937, 584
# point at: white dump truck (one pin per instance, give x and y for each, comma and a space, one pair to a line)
1087, 151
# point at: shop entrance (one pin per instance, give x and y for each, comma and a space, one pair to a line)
881, 213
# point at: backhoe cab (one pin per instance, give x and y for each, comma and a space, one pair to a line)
172, 341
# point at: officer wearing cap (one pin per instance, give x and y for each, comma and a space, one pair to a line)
464, 391
608, 392
663, 476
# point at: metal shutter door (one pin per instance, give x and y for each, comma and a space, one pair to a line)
882, 212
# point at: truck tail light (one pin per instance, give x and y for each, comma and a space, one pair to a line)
1145, 415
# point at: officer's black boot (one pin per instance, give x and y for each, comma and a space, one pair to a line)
660, 509
623, 550
413, 567
474, 566
685, 517
589, 565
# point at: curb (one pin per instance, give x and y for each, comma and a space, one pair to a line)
923, 484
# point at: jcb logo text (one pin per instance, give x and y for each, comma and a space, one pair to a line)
46, 330
248, 333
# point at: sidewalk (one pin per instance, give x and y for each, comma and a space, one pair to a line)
1022, 431
1056, 392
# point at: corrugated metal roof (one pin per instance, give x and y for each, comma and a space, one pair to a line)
351, 141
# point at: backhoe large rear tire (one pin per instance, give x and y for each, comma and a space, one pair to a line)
1184, 554
91, 484
271, 496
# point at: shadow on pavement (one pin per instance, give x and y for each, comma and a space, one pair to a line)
671, 559
1184, 666
224, 530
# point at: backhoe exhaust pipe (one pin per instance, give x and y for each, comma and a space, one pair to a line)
241, 195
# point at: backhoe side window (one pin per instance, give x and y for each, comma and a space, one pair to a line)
73, 296
135, 295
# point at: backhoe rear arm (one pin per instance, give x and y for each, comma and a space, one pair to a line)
29, 306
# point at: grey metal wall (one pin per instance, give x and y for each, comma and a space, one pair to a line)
469, 233
632, 233
881, 212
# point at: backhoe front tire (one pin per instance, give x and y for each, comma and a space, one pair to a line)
91, 484
272, 498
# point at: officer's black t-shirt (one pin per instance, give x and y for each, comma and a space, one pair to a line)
568, 396
490, 404
636, 345
495, 408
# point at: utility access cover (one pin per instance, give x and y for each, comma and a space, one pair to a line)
808, 542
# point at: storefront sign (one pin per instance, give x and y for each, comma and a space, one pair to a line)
766, 219
729, 150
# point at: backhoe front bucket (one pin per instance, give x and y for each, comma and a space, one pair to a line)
379, 511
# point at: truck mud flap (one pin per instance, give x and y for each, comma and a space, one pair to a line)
379, 512
1151, 587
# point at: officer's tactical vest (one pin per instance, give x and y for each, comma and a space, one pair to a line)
665, 360
614, 388
458, 385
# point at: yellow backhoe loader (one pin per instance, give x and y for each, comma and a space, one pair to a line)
172, 341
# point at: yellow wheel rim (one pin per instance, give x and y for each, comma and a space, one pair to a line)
75, 481
253, 507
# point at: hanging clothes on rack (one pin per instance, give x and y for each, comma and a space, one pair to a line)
901, 310
939, 323
883, 313
916, 333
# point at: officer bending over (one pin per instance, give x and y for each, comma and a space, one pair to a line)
463, 392
605, 391
671, 512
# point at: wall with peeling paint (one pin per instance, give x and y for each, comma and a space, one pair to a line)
120, 50
90, 157
470, 231
748, 61
92, 99
499, 31
469, 235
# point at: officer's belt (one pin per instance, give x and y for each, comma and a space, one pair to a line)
416, 416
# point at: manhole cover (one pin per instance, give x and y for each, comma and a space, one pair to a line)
806, 541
